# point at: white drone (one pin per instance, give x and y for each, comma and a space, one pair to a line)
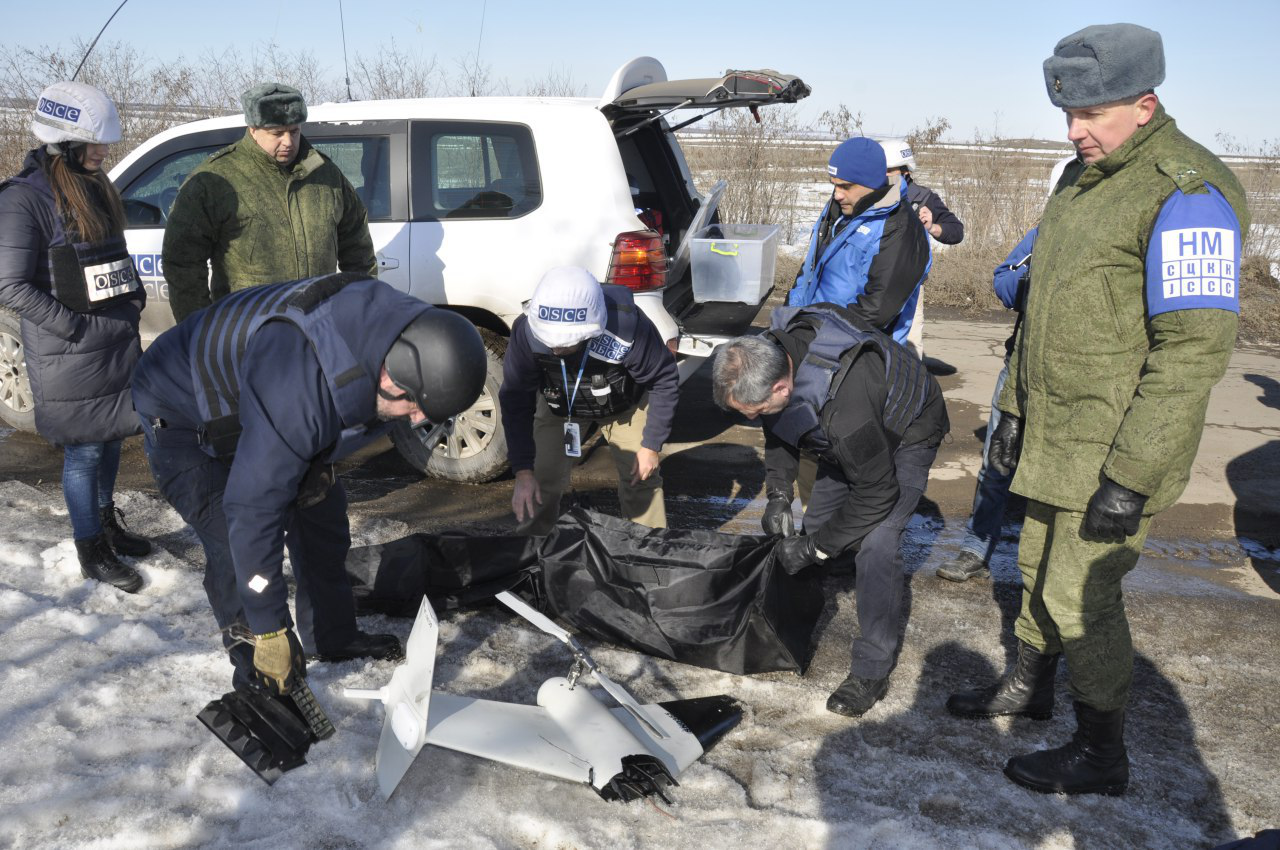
624, 753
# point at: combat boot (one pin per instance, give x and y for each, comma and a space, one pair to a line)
122, 541
1027, 689
364, 645
1093, 762
963, 567
855, 696
99, 562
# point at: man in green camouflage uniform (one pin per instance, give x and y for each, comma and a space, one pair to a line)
1129, 325
266, 209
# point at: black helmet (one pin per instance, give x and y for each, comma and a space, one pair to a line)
439, 360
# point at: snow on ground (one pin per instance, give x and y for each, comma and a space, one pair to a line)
100, 747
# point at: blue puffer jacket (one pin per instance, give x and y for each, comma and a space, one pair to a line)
79, 364
874, 265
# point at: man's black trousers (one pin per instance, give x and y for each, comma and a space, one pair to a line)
317, 539
879, 559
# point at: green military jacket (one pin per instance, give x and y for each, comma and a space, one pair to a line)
254, 222
1104, 389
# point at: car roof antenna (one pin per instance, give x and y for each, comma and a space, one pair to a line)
94, 43
346, 72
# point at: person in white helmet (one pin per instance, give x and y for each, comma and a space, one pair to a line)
938, 221
66, 271
584, 354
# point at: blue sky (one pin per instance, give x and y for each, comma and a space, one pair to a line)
977, 64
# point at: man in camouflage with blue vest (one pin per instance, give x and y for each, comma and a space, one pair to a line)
1129, 325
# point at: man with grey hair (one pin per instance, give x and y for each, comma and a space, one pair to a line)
828, 385
267, 209
1130, 323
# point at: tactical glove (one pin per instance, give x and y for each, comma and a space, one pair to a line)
778, 518
1006, 443
278, 661
796, 553
1113, 513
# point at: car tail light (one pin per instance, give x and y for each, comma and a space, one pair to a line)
639, 261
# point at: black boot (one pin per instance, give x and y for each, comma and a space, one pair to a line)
122, 541
1027, 689
97, 561
1094, 762
855, 696
364, 645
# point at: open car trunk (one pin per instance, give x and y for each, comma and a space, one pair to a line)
645, 109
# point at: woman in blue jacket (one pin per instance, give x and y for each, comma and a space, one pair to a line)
66, 271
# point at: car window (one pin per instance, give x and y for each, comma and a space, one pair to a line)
148, 199
473, 170
366, 162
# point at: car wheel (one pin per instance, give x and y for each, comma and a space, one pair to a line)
476, 450
17, 405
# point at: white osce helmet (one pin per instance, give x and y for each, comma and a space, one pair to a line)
75, 112
566, 308
897, 154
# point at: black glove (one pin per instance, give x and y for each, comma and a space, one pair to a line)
796, 553
1113, 513
1006, 443
278, 661
778, 518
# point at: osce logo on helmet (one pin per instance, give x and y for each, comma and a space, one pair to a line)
58, 110
562, 314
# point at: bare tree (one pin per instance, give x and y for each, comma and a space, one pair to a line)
763, 167
557, 82
474, 79
842, 123
928, 133
394, 73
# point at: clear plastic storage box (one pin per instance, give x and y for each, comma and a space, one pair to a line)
733, 262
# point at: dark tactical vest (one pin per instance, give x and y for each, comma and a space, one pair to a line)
606, 389
85, 276
219, 343
838, 340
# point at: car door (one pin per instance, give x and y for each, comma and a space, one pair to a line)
372, 155
148, 188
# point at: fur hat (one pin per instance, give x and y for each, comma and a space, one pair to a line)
273, 105
1103, 64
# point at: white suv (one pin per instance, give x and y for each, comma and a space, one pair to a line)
471, 200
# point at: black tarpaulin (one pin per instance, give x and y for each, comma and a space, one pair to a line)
699, 597
452, 570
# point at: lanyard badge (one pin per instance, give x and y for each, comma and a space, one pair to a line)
572, 435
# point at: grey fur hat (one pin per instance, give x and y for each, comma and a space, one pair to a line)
1102, 64
273, 105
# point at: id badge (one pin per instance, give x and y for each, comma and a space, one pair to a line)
572, 440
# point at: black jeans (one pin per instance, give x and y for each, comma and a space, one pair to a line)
879, 559
317, 538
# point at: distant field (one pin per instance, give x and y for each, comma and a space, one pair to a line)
996, 187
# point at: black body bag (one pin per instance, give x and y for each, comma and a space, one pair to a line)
698, 597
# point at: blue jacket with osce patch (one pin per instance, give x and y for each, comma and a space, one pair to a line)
874, 265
